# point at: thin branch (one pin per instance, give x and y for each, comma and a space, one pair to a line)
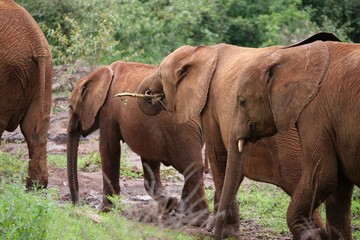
139, 95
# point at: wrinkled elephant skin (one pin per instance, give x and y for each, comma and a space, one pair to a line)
157, 139
25, 85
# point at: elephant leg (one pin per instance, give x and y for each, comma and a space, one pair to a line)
3, 124
36, 140
338, 210
217, 155
155, 189
193, 201
317, 183
110, 151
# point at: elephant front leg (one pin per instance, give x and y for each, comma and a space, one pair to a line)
218, 158
338, 210
155, 189
110, 151
310, 193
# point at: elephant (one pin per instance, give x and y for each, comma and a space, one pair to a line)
25, 85
203, 80
314, 87
157, 140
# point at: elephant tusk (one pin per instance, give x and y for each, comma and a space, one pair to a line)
240, 145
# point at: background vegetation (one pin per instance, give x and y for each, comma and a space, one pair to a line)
100, 32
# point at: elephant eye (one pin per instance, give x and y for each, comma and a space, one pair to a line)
84, 90
183, 71
159, 74
271, 72
242, 102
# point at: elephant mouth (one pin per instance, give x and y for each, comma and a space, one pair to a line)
152, 98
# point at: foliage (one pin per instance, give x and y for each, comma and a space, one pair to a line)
340, 17
100, 32
286, 23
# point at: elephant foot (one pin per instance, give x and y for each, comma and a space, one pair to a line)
194, 215
312, 234
229, 230
106, 208
34, 183
166, 205
106, 205
196, 219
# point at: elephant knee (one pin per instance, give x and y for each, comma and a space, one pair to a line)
322, 189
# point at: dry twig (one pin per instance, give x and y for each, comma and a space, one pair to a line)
139, 95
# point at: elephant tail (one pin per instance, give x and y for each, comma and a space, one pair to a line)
42, 79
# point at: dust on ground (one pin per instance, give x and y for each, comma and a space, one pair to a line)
142, 207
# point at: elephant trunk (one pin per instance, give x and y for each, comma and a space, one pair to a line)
233, 178
73, 138
150, 106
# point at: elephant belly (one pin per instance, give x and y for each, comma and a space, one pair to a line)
148, 143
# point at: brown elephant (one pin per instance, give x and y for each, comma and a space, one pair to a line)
25, 85
157, 140
203, 80
315, 87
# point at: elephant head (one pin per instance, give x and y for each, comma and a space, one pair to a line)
83, 110
184, 76
273, 93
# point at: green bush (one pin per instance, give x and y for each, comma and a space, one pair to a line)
100, 32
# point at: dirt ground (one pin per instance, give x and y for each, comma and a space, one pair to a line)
143, 207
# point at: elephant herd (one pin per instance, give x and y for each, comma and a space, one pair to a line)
285, 115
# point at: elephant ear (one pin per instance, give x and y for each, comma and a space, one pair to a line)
194, 77
294, 80
320, 36
91, 94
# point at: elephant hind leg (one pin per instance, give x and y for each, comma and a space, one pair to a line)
36, 142
193, 201
154, 187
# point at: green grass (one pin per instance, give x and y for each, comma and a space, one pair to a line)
84, 162
35, 215
267, 204
92, 162
38, 214
355, 210
264, 203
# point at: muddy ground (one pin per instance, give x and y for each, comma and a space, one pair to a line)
142, 207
